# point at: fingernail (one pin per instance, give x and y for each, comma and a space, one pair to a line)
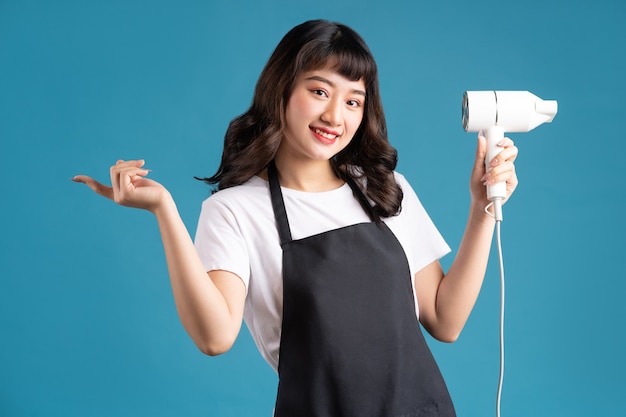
495, 162
501, 143
480, 133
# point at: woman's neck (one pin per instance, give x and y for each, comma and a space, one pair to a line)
309, 176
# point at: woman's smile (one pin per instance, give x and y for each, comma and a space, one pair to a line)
325, 136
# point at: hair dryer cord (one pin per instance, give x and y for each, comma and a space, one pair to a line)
501, 261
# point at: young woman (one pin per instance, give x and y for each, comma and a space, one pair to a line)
318, 243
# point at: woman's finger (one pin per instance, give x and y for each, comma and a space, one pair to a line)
508, 152
506, 155
479, 159
500, 173
96, 186
121, 170
129, 187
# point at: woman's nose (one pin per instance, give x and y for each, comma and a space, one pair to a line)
332, 113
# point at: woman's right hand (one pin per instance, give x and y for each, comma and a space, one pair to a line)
129, 187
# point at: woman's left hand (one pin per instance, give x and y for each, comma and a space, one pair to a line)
502, 169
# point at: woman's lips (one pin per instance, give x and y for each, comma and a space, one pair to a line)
324, 135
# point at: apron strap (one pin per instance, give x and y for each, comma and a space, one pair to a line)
284, 232
358, 193
278, 203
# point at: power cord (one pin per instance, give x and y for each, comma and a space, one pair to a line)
501, 378
497, 215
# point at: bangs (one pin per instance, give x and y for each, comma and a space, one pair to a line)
353, 66
343, 51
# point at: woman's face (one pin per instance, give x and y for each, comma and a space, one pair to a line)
322, 115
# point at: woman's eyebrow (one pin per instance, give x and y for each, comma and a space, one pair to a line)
332, 84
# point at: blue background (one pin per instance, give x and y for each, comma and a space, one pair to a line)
87, 321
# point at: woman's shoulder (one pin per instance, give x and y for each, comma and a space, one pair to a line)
254, 186
410, 200
403, 182
253, 193
400, 178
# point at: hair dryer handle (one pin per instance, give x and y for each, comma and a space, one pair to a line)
494, 135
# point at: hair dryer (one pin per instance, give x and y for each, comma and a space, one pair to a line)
497, 112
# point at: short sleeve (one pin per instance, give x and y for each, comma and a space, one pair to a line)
422, 242
219, 240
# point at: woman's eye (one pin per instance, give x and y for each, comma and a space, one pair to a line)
320, 93
353, 103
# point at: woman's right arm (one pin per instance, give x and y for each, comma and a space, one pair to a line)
211, 310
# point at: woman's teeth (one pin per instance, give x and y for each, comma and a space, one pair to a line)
325, 134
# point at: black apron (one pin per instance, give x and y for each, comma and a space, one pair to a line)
351, 344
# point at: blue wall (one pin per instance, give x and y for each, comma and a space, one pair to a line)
87, 321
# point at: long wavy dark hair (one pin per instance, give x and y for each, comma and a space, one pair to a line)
252, 138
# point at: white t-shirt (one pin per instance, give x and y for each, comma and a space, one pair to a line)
237, 233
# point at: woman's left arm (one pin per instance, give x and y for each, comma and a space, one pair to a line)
446, 300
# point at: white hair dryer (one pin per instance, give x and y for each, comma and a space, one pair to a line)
497, 112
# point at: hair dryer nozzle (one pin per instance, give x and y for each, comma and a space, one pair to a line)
547, 108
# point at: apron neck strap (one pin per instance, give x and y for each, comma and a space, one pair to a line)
284, 232
278, 203
358, 193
